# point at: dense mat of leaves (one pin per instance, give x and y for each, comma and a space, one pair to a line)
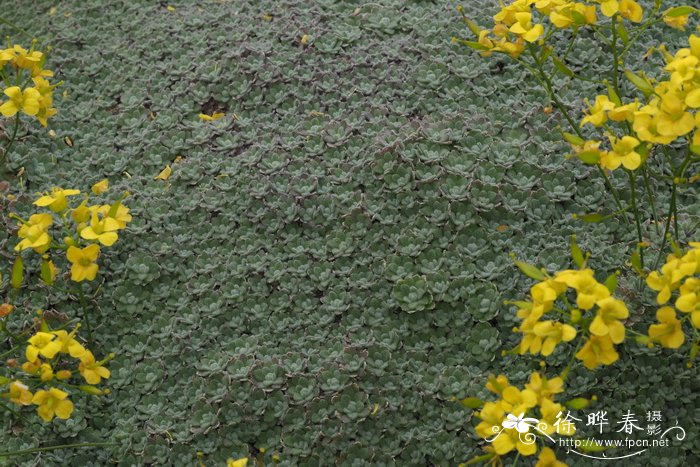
325, 267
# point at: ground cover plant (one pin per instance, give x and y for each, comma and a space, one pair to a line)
325, 200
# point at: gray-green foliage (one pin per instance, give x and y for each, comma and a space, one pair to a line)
341, 242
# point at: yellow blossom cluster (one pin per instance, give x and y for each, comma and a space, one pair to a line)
594, 308
92, 226
45, 362
512, 422
524, 21
669, 113
678, 274
32, 94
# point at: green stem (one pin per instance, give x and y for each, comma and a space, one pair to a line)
639, 32
11, 141
53, 448
83, 305
672, 211
635, 211
650, 195
549, 88
14, 26
613, 47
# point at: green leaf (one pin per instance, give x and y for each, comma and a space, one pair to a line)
576, 253
46, 271
640, 81
573, 139
636, 261
622, 32
613, 96
578, 403
474, 45
680, 11
530, 271
561, 66
17, 273
579, 19
472, 402
592, 218
592, 446
611, 282
591, 157
473, 27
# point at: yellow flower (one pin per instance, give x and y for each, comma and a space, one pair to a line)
20, 394
45, 372
623, 112
673, 119
510, 439
566, 15
524, 28
491, 415
52, 403
544, 294
544, 336
623, 153
508, 13
645, 124
671, 275
606, 323
546, 6
609, 7
23, 58
34, 233
92, 371
102, 230
669, 332
214, 116
26, 101
548, 459
68, 343
100, 187
588, 290
121, 216
679, 22
42, 343
497, 384
518, 401
551, 413
31, 367
81, 213
598, 112
46, 90
689, 300
84, 266
164, 174
631, 10
544, 388
597, 351
242, 462
56, 200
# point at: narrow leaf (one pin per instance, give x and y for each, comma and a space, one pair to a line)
576, 253
17, 273
592, 218
680, 11
573, 139
611, 283
530, 271
561, 66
